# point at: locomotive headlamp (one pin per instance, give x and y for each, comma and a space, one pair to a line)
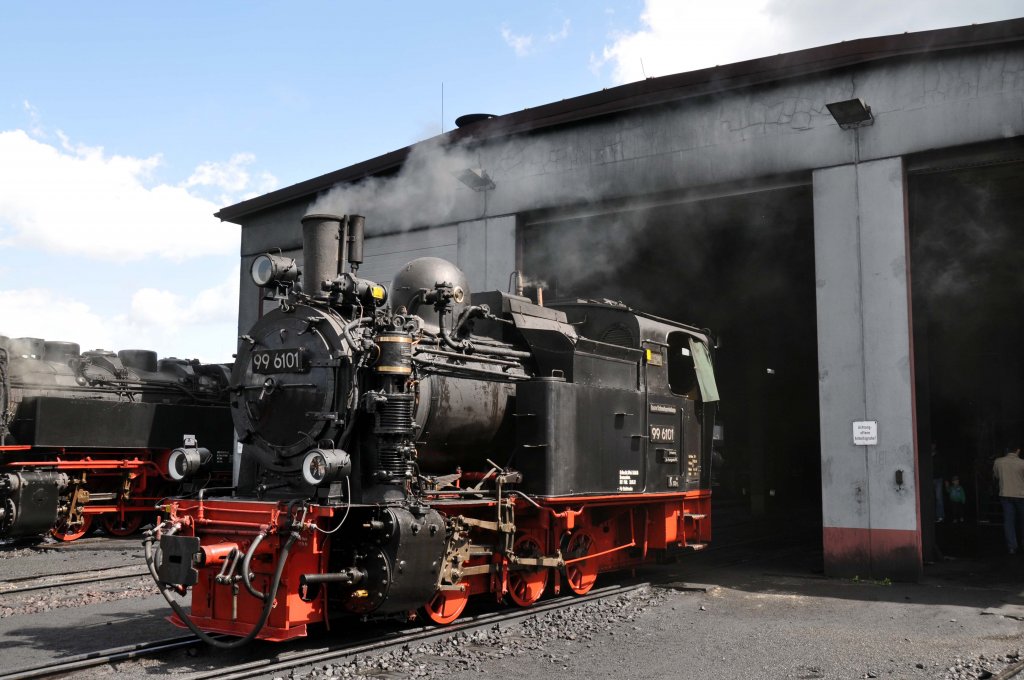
268, 270
186, 461
325, 465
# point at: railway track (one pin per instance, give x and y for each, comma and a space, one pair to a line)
24, 584
92, 659
295, 660
289, 660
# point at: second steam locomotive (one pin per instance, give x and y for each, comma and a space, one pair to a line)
403, 455
90, 437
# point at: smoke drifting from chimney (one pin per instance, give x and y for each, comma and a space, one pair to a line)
424, 192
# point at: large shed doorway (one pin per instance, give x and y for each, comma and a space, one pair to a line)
967, 264
741, 265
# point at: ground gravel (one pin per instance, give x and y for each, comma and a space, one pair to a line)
82, 595
747, 624
479, 651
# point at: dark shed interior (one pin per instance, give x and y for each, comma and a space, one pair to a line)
742, 266
967, 264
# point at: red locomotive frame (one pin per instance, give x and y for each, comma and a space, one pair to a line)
117, 488
585, 536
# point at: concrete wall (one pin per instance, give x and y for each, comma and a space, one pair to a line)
871, 525
487, 252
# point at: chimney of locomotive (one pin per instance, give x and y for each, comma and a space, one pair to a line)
355, 241
321, 238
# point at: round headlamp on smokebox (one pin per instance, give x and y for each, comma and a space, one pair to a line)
321, 466
268, 270
187, 462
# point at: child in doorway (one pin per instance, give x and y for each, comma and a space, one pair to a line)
957, 500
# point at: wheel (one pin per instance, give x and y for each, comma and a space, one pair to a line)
122, 526
445, 606
525, 586
67, 532
580, 576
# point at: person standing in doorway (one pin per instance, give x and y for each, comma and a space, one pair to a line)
957, 501
1009, 472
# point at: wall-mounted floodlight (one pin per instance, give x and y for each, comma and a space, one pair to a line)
476, 179
852, 113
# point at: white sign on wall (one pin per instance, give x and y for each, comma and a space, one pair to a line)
865, 432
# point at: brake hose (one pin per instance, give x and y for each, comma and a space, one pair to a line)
268, 605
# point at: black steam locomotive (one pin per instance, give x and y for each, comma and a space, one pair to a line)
88, 436
401, 456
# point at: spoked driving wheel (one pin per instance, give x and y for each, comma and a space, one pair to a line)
445, 606
525, 586
71, 531
580, 573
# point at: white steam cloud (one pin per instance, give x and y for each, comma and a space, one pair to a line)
424, 192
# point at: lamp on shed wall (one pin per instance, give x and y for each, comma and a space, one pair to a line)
852, 113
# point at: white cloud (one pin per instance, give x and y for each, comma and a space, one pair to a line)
524, 45
22, 315
684, 36
561, 34
167, 311
35, 123
201, 327
679, 36
520, 44
233, 178
78, 199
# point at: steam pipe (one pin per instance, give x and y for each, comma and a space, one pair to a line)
467, 347
356, 228
246, 575
349, 577
463, 371
347, 329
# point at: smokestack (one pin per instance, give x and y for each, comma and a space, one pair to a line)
320, 242
355, 240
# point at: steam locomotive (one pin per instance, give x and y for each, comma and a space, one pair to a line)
89, 436
401, 456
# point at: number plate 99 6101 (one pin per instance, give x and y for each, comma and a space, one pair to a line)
278, 361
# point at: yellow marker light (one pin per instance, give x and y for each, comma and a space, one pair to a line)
648, 354
377, 292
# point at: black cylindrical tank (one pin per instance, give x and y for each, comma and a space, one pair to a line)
463, 422
356, 227
395, 357
61, 352
139, 359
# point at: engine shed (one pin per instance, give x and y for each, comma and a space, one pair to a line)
846, 219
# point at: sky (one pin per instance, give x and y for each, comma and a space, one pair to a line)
125, 125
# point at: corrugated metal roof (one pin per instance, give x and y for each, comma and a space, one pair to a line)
655, 91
